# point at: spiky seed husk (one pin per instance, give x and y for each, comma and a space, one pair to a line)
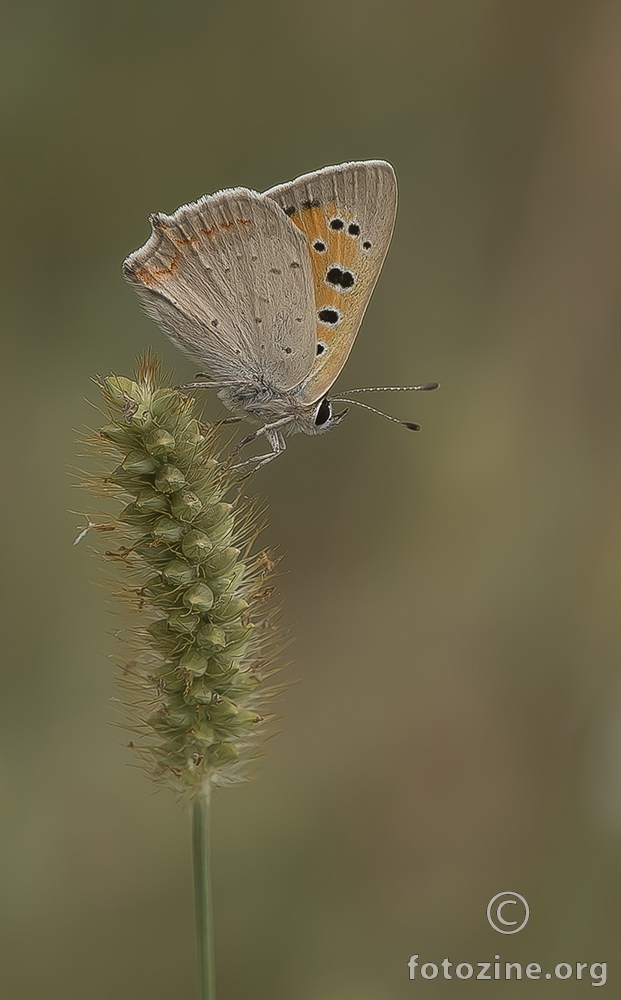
201, 641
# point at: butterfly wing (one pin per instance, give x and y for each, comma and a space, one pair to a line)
229, 279
347, 214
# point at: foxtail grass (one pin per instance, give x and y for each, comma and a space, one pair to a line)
201, 638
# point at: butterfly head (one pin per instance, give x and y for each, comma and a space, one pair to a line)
320, 418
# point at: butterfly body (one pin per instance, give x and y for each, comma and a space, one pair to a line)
264, 405
268, 291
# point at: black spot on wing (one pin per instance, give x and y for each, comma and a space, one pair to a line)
329, 317
338, 278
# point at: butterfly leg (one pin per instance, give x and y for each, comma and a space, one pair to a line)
206, 385
277, 442
274, 438
266, 429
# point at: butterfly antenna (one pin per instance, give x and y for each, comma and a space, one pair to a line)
427, 387
365, 406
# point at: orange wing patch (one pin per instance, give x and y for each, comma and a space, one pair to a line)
341, 276
151, 276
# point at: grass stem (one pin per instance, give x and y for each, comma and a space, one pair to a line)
201, 851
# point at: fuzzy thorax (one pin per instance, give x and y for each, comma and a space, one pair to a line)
265, 406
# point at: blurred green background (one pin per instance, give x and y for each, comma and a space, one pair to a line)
456, 728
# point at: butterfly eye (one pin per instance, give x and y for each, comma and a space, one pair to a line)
337, 223
367, 245
324, 413
353, 229
320, 347
319, 246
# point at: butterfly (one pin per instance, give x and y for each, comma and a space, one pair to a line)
267, 291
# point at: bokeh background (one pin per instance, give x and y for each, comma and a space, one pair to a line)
455, 728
